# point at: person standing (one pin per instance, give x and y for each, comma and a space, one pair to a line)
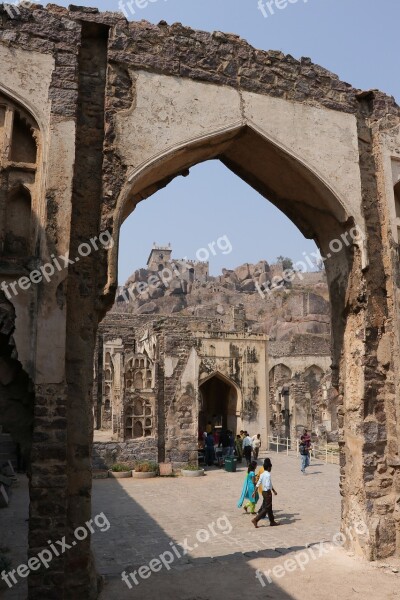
231, 443
265, 482
256, 445
249, 491
260, 472
247, 447
239, 448
225, 443
304, 454
209, 447
306, 438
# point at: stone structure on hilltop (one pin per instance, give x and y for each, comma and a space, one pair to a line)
194, 343
108, 112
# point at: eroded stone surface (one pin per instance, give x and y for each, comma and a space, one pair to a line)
81, 73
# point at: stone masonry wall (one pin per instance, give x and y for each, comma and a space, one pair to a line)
365, 313
106, 454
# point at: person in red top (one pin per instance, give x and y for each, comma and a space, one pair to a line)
306, 438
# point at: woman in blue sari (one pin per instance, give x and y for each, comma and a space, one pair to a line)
249, 491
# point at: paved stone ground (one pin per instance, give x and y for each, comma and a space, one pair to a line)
335, 576
150, 517
147, 515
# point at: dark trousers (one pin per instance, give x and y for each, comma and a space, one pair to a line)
247, 454
266, 508
209, 456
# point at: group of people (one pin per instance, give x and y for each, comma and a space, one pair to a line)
256, 485
220, 443
247, 446
259, 483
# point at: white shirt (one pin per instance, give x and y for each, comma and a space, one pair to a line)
265, 481
247, 441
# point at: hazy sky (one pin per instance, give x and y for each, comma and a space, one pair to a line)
357, 39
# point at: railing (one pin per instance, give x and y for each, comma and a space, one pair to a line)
329, 454
280, 444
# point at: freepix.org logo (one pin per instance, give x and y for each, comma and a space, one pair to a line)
268, 7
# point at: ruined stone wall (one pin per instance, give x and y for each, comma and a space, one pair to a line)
300, 345
106, 454
80, 71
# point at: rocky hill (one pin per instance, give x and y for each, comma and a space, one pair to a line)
299, 306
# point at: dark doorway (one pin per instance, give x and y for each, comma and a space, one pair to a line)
218, 401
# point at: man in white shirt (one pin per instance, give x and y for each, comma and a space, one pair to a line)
265, 482
247, 447
256, 441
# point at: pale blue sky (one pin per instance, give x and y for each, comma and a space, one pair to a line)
357, 39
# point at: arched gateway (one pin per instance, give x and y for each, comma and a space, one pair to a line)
116, 110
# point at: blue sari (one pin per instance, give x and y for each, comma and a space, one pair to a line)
248, 490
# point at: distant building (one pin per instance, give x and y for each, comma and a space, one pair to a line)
160, 378
159, 257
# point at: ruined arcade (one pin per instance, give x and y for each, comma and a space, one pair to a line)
96, 115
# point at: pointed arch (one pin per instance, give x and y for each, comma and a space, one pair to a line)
278, 173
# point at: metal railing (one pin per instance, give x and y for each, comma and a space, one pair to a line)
329, 454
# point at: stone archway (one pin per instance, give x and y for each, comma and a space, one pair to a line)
125, 108
220, 399
313, 198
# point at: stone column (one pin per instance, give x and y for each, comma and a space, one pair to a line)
367, 414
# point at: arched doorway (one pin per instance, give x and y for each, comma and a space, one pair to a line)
218, 403
309, 193
306, 141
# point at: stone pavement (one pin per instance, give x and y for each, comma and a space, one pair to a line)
335, 576
146, 516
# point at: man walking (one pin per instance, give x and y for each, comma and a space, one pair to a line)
247, 447
256, 445
265, 482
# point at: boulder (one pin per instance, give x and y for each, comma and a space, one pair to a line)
261, 267
243, 272
177, 308
175, 288
148, 309
263, 278
248, 285
155, 293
